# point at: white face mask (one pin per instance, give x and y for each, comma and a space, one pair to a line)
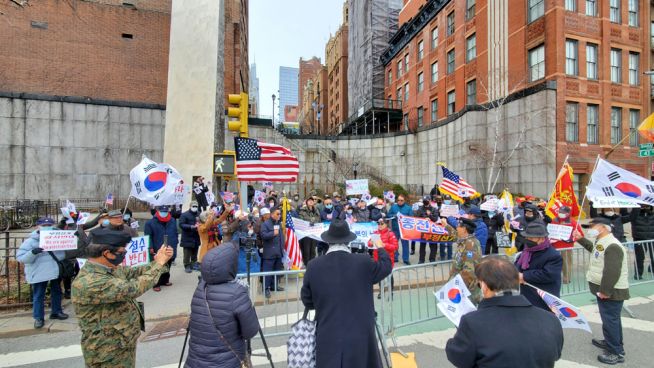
609, 213
563, 216
593, 233
194, 209
250, 232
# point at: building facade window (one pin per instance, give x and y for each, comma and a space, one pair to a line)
406, 122
434, 72
451, 101
406, 92
450, 62
616, 125
591, 61
536, 9
399, 68
592, 124
537, 63
406, 63
390, 76
614, 11
434, 110
571, 52
471, 47
633, 13
471, 92
421, 115
434, 38
591, 8
421, 50
572, 122
421, 82
634, 68
399, 94
571, 5
634, 121
616, 66
450, 23
470, 9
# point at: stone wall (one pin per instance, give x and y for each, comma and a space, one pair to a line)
410, 159
54, 149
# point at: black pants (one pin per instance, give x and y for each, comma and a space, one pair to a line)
68, 281
269, 265
491, 246
640, 249
308, 247
610, 311
190, 256
165, 277
433, 249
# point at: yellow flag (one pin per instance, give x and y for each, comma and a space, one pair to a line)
646, 128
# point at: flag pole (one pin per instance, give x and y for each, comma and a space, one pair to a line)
126, 203
583, 200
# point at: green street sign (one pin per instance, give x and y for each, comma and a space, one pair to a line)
646, 146
646, 153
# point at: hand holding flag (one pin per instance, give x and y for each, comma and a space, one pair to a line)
453, 300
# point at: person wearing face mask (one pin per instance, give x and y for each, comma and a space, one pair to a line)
362, 214
160, 227
117, 223
519, 224
273, 248
400, 208
41, 269
190, 242
504, 315
608, 279
494, 222
618, 218
308, 246
565, 246
539, 265
104, 297
378, 210
328, 212
347, 214
642, 228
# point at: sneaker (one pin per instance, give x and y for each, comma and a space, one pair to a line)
600, 343
38, 323
279, 288
407, 263
157, 288
67, 294
196, 266
610, 358
379, 296
61, 316
187, 269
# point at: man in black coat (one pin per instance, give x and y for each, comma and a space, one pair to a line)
188, 222
273, 247
338, 286
504, 315
642, 228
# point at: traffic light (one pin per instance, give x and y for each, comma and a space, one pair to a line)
240, 112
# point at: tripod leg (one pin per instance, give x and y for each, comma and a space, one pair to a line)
265, 346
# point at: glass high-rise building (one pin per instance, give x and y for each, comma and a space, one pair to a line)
288, 93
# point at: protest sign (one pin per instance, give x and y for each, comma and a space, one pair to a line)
363, 231
134, 225
211, 198
503, 239
372, 201
54, 240
83, 218
559, 232
303, 229
453, 300
354, 187
449, 210
490, 205
425, 230
137, 252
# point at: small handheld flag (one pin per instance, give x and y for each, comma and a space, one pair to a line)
453, 300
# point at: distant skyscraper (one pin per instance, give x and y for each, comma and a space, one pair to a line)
254, 88
288, 88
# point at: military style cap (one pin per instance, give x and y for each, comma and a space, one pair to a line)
115, 213
111, 237
468, 222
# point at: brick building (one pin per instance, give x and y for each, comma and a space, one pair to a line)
336, 59
237, 71
307, 71
592, 53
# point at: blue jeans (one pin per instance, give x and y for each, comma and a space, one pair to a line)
610, 311
405, 248
269, 265
446, 247
38, 298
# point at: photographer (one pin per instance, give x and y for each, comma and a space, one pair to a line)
273, 245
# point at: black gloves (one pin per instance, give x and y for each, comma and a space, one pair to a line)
37, 250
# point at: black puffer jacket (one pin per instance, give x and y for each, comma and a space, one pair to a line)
642, 224
190, 235
231, 309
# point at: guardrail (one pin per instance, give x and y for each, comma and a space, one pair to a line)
14, 289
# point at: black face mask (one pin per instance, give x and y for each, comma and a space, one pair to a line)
118, 260
529, 243
530, 219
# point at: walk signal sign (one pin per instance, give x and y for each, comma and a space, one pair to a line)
224, 164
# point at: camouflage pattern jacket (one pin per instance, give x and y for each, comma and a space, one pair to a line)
466, 256
108, 314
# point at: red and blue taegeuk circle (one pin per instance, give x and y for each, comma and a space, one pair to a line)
155, 181
629, 189
454, 295
568, 312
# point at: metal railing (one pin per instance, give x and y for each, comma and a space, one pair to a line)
14, 289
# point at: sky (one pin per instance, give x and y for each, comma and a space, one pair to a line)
282, 31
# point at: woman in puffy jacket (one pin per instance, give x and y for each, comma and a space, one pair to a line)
222, 314
390, 245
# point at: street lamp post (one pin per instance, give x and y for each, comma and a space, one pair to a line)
273, 111
354, 169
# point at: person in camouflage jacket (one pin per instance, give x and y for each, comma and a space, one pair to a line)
104, 296
466, 256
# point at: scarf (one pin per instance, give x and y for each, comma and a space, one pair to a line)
162, 219
338, 248
527, 252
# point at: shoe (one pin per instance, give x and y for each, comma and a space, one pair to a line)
279, 288
67, 294
379, 296
637, 277
600, 343
610, 358
407, 263
157, 288
413, 252
38, 323
187, 269
267, 293
196, 266
61, 315
168, 284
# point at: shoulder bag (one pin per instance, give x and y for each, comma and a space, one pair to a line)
66, 267
301, 345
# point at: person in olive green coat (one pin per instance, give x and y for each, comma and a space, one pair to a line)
104, 296
466, 256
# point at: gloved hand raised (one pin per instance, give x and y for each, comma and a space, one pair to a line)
37, 250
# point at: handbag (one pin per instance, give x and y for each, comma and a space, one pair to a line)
301, 345
66, 267
245, 363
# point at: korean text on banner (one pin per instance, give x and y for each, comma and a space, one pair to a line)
559, 232
363, 231
137, 252
449, 210
354, 187
303, 229
453, 300
425, 230
54, 240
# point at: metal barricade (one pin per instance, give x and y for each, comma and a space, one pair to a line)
14, 289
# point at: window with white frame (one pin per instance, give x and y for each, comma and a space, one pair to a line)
434, 110
421, 115
421, 82
434, 38
571, 53
406, 63
536, 9
471, 92
421, 50
592, 124
591, 61
471, 47
616, 125
537, 63
633, 13
591, 8
470, 9
634, 68
406, 92
434, 72
614, 11
572, 122
616, 66
450, 23
571, 5
634, 121
451, 100
450, 62
399, 68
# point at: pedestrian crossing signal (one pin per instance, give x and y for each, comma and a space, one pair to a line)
240, 112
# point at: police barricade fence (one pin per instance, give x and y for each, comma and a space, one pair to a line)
14, 289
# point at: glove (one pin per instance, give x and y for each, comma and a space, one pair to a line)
37, 250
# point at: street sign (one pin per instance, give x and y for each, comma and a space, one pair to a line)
223, 164
646, 153
646, 146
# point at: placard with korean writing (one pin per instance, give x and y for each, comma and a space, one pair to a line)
55, 240
421, 229
137, 252
354, 187
560, 232
449, 210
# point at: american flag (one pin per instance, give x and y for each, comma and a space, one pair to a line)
260, 161
110, 200
455, 186
292, 245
